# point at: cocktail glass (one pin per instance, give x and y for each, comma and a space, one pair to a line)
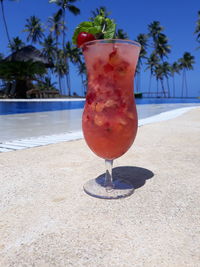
109, 119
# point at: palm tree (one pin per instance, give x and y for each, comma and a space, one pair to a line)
46, 84
16, 44
162, 71
197, 29
66, 5
56, 28
159, 74
23, 73
4, 20
166, 70
175, 68
142, 39
160, 41
1, 56
2, 83
73, 52
161, 49
49, 51
121, 34
82, 73
102, 11
56, 25
152, 63
49, 48
61, 68
155, 29
186, 63
161, 46
34, 29
75, 56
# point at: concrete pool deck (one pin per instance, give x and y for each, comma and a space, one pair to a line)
47, 220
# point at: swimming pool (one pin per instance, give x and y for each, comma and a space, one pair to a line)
17, 107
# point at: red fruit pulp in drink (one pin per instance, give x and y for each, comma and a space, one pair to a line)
110, 118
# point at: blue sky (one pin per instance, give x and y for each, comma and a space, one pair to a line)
178, 17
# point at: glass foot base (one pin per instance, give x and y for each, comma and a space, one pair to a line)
96, 188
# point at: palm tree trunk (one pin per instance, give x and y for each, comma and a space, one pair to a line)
163, 88
4, 21
63, 40
182, 90
68, 83
168, 87
83, 85
173, 86
186, 86
59, 76
150, 83
138, 76
59, 83
138, 82
157, 87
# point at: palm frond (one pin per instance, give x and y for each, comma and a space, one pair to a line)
74, 10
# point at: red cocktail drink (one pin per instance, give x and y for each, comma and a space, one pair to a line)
110, 117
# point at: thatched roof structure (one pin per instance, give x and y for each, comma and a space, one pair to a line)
29, 53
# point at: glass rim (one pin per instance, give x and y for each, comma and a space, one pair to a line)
112, 41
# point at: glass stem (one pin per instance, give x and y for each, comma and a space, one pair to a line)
108, 177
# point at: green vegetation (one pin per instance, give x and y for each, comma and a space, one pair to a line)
154, 54
20, 75
50, 38
100, 26
197, 29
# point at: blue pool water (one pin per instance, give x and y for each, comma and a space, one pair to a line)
38, 106
15, 107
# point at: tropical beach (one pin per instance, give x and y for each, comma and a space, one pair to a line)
41, 45
99, 139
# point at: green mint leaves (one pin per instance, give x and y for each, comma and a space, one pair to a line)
87, 26
100, 27
109, 32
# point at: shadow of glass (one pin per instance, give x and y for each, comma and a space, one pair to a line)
125, 180
137, 176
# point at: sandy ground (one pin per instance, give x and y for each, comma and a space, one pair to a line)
47, 220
